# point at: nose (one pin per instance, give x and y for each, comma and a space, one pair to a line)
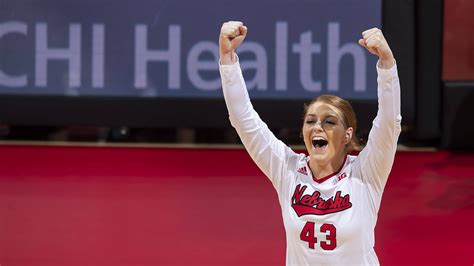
318, 126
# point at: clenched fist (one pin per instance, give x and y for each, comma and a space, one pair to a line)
232, 35
374, 41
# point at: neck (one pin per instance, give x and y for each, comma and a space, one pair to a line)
322, 169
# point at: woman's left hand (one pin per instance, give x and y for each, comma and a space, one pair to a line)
374, 41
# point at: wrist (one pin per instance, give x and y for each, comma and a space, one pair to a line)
228, 58
386, 63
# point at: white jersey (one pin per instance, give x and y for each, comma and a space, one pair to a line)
329, 221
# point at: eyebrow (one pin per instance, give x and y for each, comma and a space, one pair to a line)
329, 115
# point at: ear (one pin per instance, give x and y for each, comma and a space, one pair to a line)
348, 136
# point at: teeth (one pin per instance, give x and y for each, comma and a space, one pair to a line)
319, 142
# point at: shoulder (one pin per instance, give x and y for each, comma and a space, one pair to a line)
351, 159
300, 161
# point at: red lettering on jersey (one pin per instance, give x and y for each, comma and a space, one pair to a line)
314, 204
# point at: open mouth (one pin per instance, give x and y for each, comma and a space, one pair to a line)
319, 143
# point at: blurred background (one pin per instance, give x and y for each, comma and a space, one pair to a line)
116, 147
84, 71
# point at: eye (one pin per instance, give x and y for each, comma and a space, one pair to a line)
310, 121
330, 121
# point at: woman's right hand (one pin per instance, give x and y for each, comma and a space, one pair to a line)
232, 35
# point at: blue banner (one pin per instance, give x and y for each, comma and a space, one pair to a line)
294, 49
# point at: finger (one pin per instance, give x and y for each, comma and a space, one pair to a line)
362, 43
230, 31
373, 38
243, 30
238, 29
227, 30
226, 27
238, 23
235, 24
369, 32
373, 43
377, 33
377, 36
240, 38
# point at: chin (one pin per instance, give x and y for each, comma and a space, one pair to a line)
320, 156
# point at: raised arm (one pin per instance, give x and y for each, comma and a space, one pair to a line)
270, 154
375, 161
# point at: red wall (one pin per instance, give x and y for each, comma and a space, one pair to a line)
137, 206
458, 43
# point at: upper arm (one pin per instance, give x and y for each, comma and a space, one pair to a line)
270, 154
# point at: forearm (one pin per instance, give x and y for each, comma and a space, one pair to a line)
228, 58
235, 91
388, 93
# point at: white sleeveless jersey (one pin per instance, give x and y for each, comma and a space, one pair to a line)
329, 221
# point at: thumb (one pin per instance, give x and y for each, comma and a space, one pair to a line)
243, 30
240, 38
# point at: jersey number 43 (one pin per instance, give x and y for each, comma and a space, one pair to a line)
307, 235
